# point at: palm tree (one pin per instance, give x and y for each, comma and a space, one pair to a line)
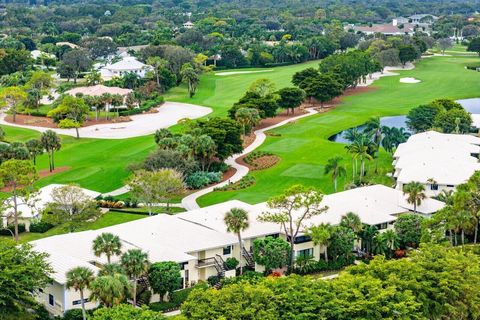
108, 244
237, 221
352, 221
51, 142
463, 220
135, 263
321, 235
416, 193
190, 75
368, 235
391, 239
80, 278
336, 168
351, 135
374, 128
110, 290
110, 269
380, 245
361, 149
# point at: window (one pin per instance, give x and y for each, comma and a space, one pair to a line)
434, 186
381, 226
77, 302
51, 300
450, 186
182, 265
227, 250
305, 253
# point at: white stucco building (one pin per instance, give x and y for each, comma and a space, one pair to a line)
199, 242
126, 65
440, 161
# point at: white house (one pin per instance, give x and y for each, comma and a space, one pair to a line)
440, 161
199, 242
188, 25
31, 209
37, 54
126, 65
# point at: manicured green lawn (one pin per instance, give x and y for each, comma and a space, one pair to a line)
221, 92
106, 220
304, 146
101, 165
96, 164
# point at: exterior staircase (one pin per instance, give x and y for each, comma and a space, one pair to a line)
248, 258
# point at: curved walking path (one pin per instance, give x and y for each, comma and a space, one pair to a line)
141, 125
190, 201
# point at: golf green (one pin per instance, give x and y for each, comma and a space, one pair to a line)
304, 146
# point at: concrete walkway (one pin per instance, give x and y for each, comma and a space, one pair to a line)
141, 125
190, 201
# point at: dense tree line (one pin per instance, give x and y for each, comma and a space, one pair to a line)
432, 283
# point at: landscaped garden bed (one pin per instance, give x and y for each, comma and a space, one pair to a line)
259, 160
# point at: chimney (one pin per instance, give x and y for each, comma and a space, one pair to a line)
395, 22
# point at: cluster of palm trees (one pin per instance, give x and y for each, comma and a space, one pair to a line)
116, 281
373, 241
364, 145
461, 215
107, 101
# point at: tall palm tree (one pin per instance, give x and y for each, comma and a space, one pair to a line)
336, 168
321, 235
361, 148
135, 263
237, 221
416, 193
374, 128
351, 135
108, 244
80, 278
110, 290
368, 235
463, 221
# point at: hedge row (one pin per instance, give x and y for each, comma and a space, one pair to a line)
5, 232
146, 106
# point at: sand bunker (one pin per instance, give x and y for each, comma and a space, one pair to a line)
409, 80
230, 73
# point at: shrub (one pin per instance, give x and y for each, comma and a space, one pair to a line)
213, 280
200, 179
145, 296
322, 265
197, 180
180, 296
472, 66
21, 229
231, 263
73, 314
146, 106
163, 306
243, 183
110, 204
255, 155
40, 227
214, 177
248, 276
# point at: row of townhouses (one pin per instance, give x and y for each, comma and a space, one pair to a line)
199, 242
439, 161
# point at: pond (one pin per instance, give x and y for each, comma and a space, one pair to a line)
471, 105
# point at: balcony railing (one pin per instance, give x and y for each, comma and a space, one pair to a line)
204, 263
